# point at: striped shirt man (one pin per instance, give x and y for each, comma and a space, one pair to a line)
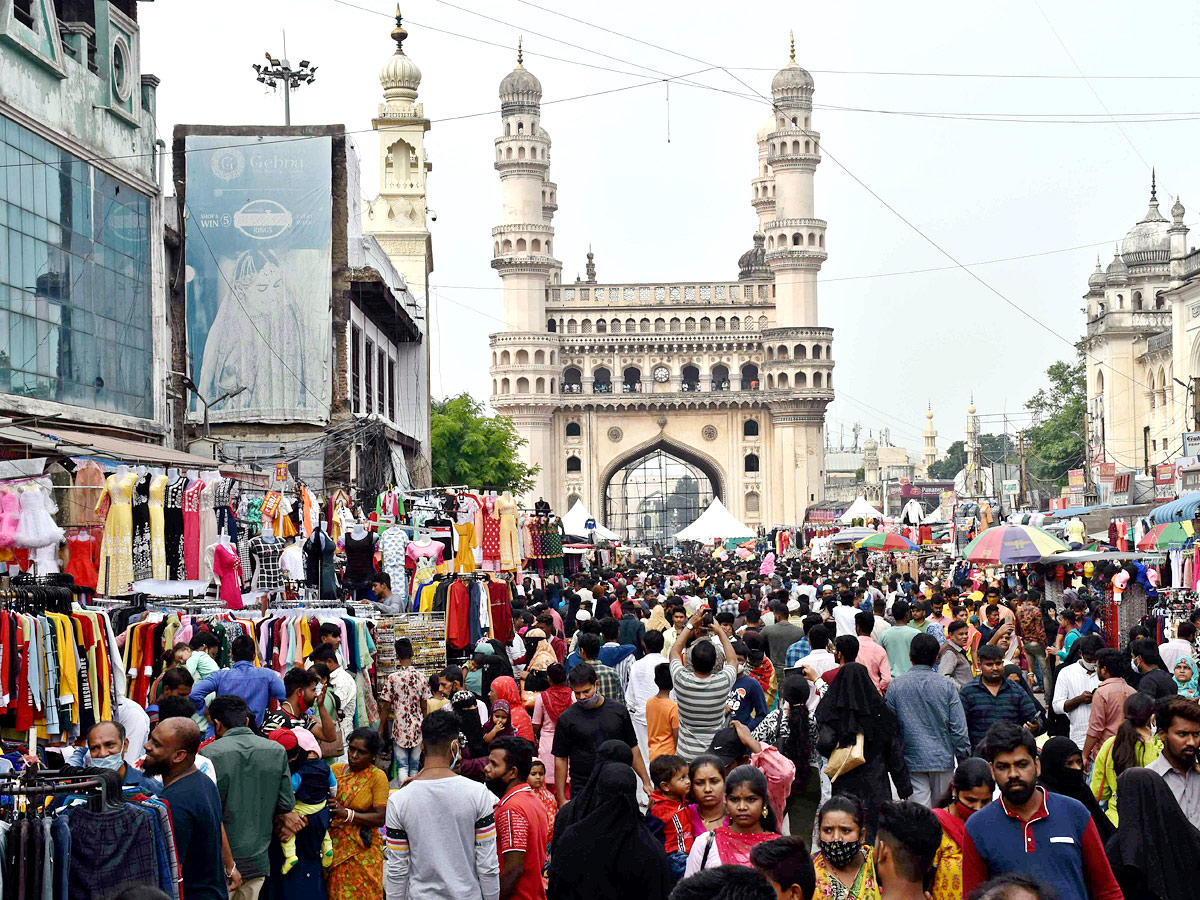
701, 702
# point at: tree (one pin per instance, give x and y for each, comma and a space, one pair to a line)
470, 447
1059, 417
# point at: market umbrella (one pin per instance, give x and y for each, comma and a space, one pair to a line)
1161, 536
1006, 544
887, 542
851, 535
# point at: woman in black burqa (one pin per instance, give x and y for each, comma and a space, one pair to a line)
851, 706
1154, 852
609, 853
586, 801
1060, 778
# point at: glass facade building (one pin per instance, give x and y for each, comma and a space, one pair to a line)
75, 280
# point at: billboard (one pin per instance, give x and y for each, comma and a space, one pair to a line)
258, 227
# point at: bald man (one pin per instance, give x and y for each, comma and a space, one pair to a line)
195, 810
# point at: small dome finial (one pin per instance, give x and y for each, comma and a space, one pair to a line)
1153, 186
520, 53
398, 33
792, 51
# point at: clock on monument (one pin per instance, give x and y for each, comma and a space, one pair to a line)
662, 374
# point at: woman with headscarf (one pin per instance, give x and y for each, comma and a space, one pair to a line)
547, 707
1153, 853
1014, 674
590, 796
505, 688
852, 706
1134, 745
474, 750
540, 655
1062, 773
1185, 672
609, 853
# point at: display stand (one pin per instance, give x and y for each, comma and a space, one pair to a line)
427, 631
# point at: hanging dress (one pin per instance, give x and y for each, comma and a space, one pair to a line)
173, 527
10, 518
191, 530
80, 564
510, 553
142, 567
116, 549
208, 524
228, 568
158, 547
36, 527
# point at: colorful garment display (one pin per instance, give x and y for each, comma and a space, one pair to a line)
116, 553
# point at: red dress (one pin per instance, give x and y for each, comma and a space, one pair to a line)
491, 537
81, 566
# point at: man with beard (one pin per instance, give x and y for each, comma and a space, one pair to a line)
522, 826
1179, 728
1032, 830
991, 698
195, 810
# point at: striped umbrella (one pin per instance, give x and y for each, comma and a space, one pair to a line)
1006, 544
851, 535
887, 542
1162, 536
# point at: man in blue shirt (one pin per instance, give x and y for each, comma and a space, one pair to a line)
932, 722
1032, 830
106, 749
747, 703
992, 698
257, 686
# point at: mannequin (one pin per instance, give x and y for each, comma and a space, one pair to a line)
360, 561
172, 473
358, 531
318, 563
423, 539
122, 471
193, 476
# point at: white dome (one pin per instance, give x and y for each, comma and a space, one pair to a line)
792, 81
400, 72
521, 86
767, 127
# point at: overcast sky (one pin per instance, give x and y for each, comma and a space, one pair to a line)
1055, 192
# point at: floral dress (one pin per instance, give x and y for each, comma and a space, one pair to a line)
865, 886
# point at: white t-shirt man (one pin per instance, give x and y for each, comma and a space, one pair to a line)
1069, 683
844, 617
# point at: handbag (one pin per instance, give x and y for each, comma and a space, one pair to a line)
846, 759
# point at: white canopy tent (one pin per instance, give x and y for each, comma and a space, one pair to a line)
860, 509
575, 522
715, 523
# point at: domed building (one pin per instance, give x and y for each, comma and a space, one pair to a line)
647, 400
1143, 339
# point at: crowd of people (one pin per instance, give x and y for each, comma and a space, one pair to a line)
695, 729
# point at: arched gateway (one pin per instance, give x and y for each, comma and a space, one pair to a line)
658, 491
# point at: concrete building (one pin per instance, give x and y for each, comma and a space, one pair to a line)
645, 401
1143, 342
83, 335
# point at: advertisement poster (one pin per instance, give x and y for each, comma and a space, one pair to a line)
258, 228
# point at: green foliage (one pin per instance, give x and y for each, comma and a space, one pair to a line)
1059, 414
469, 447
860, 475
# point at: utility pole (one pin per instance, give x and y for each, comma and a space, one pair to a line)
1087, 459
1021, 458
280, 71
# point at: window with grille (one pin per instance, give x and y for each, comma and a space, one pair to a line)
355, 370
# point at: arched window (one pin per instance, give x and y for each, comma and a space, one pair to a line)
752, 502
1162, 388
520, 245
520, 153
750, 428
506, 246
572, 326
720, 378
690, 380
644, 326
796, 239
795, 148
508, 129
572, 499
705, 324
735, 324
504, 386
522, 385
631, 383
505, 358
763, 322
783, 352
720, 323
821, 241
749, 377
574, 464
751, 462
770, 242
770, 354
539, 386
816, 379
535, 246
573, 429
508, 152
601, 326
601, 381
614, 326
631, 326
571, 381
812, 239
675, 325
493, 357
660, 326
799, 352
770, 382
782, 381
495, 387
539, 358
801, 380
551, 357
522, 357
585, 327
496, 248
816, 351
689, 324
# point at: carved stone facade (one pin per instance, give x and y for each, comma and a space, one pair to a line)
714, 388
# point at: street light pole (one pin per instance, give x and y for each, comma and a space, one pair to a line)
190, 385
279, 71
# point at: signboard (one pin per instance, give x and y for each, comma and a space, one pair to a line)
1106, 472
1164, 481
1058, 502
946, 504
1191, 443
281, 471
258, 230
1121, 483
1010, 486
1075, 479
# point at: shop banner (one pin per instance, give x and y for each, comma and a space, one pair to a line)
1107, 472
1191, 443
1075, 479
258, 228
1164, 481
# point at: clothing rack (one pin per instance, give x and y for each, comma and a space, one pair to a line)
35, 784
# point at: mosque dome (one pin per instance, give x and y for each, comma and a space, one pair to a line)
1148, 241
1118, 272
870, 445
752, 265
399, 73
792, 81
767, 127
1096, 280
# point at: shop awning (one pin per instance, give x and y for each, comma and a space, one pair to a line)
81, 443
1181, 510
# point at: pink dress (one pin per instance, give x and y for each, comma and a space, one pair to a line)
228, 568
191, 530
10, 518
